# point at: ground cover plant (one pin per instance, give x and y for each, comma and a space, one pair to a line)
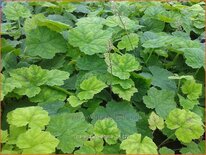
102, 77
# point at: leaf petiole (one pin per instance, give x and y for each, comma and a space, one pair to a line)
62, 90
166, 140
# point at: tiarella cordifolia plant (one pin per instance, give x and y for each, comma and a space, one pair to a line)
102, 78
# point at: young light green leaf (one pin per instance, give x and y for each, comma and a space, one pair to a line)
41, 20
35, 140
30, 79
48, 94
15, 10
96, 143
56, 77
134, 144
4, 136
155, 122
90, 87
44, 43
125, 84
8, 85
74, 101
125, 94
90, 42
187, 124
160, 100
91, 21
8, 149
129, 42
186, 103
70, 129
34, 117
107, 129
192, 89
121, 21
121, 65
14, 133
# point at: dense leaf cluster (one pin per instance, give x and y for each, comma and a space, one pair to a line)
103, 77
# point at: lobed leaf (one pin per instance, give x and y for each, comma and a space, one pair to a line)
34, 117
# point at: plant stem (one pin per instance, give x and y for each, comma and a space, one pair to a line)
19, 24
149, 57
116, 11
62, 90
197, 71
173, 62
178, 86
166, 140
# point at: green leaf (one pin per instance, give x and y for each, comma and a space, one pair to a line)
111, 149
162, 81
90, 87
130, 42
34, 117
152, 24
134, 144
194, 57
122, 113
56, 77
90, 42
125, 84
165, 150
74, 101
143, 125
155, 122
160, 100
192, 89
41, 20
193, 148
70, 129
122, 65
160, 41
91, 21
143, 84
35, 140
187, 124
91, 63
14, 133
121, 21
186, 103
125, 94
8, 85
8, 149
107, 129
177, 77
4, 136
44, 43
30, 78
52, 107
15, 10
48, 94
